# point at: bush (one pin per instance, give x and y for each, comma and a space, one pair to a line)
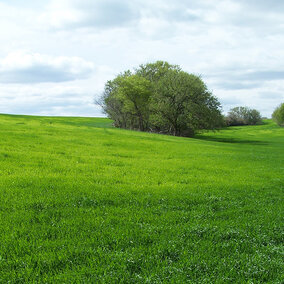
160, 97
243, 116
278, 115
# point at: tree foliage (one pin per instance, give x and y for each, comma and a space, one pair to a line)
160, 97
243, 116
278, 115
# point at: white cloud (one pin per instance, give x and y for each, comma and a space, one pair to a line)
25, 67
47, 99
237, 47
97, 14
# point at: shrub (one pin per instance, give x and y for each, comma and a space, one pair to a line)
160, 97
278, 115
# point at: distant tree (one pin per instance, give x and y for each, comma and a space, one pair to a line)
243, 116
160, 97
278, 115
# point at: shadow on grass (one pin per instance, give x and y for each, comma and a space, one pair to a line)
230, 140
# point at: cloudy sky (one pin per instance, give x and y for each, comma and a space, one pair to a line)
55, 56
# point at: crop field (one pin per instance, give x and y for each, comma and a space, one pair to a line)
81, 202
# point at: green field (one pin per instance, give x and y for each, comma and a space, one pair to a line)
83, 202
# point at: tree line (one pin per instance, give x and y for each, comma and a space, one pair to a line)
162, 98
243, 116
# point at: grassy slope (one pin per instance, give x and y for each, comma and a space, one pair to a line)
81, 201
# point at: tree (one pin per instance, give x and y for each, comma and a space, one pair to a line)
134, 92
278, 115
160, 97
155, 71
182, 105
111, 104
243, 116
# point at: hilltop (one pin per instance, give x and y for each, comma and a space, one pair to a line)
83, 201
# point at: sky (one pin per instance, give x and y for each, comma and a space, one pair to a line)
56, 56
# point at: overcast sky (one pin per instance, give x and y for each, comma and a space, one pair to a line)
56, 55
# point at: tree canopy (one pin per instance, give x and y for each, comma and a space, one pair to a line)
160, 97
278, 115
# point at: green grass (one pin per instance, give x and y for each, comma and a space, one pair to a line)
83, 202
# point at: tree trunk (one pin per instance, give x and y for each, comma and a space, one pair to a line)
141, 128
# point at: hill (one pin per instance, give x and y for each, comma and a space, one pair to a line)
81, 201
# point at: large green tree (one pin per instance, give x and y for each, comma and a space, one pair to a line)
160, 97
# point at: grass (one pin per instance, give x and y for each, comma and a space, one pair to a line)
83, 202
